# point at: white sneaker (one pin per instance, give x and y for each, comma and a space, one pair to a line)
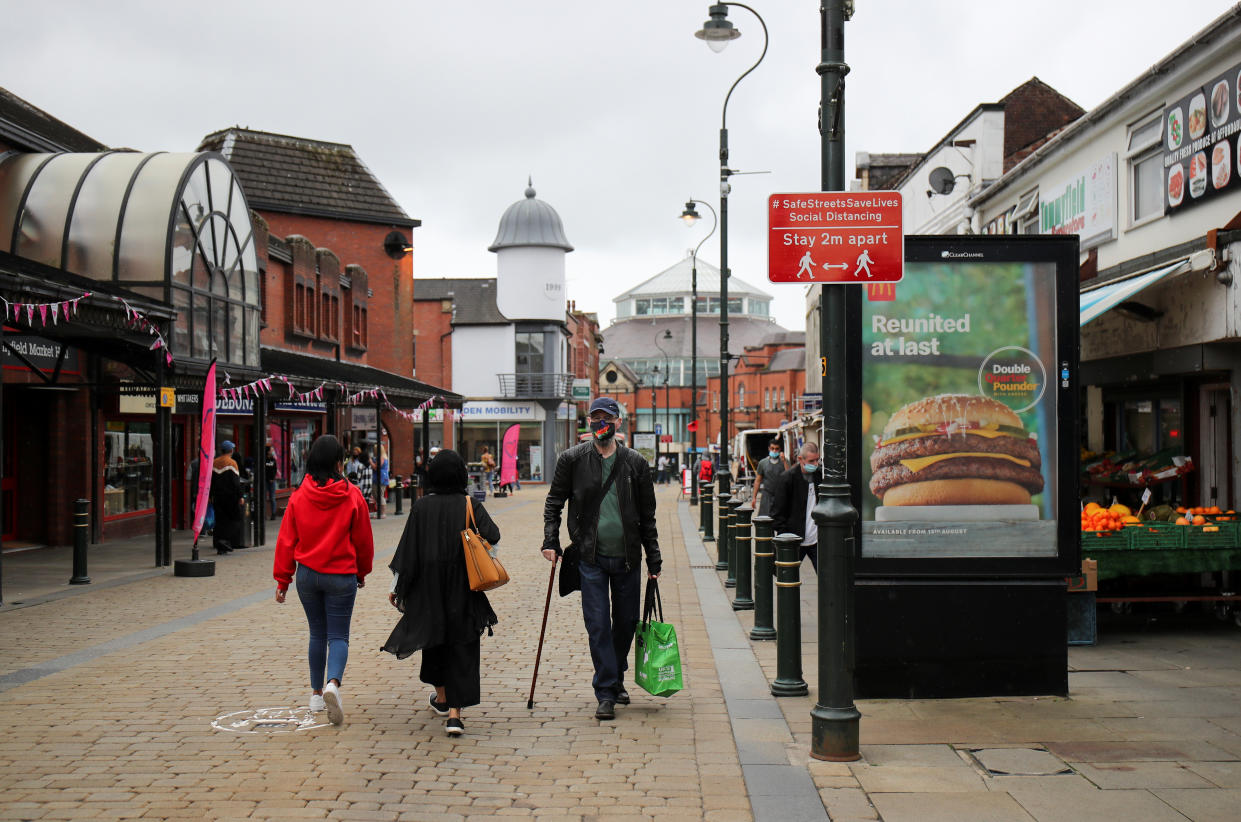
316, 702
331, 698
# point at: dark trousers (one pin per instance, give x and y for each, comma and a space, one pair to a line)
812, 551
455, 668
610, 599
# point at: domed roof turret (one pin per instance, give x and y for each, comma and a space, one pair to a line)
530, 222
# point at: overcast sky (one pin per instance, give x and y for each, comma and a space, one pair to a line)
613, 107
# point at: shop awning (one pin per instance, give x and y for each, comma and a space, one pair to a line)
310, 371
1098, 300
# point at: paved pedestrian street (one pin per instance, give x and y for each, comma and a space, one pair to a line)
103, 724
155, 697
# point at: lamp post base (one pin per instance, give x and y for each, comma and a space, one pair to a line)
834, 734
193, 568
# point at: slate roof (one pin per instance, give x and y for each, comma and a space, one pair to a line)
33, 129
296, 175
678, 279
473, 299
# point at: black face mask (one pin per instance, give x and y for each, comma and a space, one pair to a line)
603, 430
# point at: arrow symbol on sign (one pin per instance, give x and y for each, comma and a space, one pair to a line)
835, 265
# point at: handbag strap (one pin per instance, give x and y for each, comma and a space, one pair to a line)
469, 514
653, 604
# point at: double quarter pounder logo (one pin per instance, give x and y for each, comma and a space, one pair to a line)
835, 237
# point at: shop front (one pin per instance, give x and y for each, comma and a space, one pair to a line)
486, 422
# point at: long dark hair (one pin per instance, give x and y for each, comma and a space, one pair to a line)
326, 453
446, 473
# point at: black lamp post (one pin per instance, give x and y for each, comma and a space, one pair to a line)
690, 216
834, 718
655, 412
666, 337
718, 31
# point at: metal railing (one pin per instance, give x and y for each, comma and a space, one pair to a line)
535, 386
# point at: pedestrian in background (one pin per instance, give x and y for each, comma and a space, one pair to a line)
489, 467
767, 476
227, 500
611, 521
442, 617
796, 494
661, 470
325, 538
381, 470
270, 471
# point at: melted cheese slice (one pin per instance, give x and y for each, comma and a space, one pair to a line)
919, 463
989, 433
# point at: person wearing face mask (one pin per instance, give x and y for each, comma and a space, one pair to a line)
767, 477
796, 494
611, 523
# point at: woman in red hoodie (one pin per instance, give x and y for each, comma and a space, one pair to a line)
326, 537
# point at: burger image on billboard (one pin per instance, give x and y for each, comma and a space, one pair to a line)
955, 449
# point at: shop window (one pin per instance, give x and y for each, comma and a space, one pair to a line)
1026, 213
642, 307
1144, 157
128, 452
301, 434
766, 399
1151, 425
760, 308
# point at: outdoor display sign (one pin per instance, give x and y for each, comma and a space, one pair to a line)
968, 407
644, 444
835, 237
1201, 150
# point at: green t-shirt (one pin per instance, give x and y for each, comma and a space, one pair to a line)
611, 538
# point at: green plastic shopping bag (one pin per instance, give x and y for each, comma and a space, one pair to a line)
657, 663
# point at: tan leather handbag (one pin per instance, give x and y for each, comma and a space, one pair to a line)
485, 571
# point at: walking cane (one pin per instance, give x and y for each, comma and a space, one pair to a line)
538, 656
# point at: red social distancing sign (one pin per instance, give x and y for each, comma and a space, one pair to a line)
835, 237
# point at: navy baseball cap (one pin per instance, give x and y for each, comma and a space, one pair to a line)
604, 404
226, 445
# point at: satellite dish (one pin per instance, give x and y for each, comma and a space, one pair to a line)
942, 180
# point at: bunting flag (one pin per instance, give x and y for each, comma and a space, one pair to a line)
64, 309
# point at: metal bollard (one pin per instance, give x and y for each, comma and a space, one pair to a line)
707, 511
81, 531
400, 495
734, 518
721, 510
728, 506
743, 600
788, 618
764, 558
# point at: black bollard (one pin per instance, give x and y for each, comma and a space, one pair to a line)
728, 508
400, 495
764, 557
721, 510
743, 600
788, 618
734, 503
707, 510
81, 530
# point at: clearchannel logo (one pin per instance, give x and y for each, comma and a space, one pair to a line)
959, 255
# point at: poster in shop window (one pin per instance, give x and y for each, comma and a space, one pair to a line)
965, 373
1202, 151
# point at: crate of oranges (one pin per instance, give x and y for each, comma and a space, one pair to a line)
1155, 535
1104, 528
1207, 527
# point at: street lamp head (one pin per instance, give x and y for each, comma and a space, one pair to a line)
690, 215
667, 334
718, 31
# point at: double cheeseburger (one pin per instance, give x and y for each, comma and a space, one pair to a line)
955, 449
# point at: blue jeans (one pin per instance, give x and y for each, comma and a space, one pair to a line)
328, 602
610, 628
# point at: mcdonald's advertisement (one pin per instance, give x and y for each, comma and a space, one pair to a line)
960, 378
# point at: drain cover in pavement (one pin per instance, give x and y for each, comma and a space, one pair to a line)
268, 721
1019, 762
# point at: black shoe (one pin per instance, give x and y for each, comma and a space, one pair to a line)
606, 710
622, 696
454, 727
440, 708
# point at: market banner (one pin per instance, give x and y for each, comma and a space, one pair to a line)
508, 455
960, 425
1201, 149
206, 453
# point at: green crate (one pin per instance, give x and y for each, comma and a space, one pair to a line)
1104, 541
1156, 535
1196, 536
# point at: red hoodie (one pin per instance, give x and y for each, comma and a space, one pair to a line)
327, 528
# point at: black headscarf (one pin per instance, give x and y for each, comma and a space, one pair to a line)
446, 473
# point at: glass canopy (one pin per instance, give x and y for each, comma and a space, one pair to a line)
173, 227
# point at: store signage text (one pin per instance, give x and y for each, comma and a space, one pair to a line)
1085, 205
41, 353
1201, 151
835, 237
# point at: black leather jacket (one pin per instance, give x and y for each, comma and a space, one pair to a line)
578, 479
788, 509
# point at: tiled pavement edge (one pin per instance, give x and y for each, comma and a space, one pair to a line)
114, 720
1151, 731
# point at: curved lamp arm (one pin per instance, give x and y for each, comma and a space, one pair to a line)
715, 221
763, 23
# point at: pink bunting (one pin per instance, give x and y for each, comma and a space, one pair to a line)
65, 306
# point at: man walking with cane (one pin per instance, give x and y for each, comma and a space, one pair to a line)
611, 522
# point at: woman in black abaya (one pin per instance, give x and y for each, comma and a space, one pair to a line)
442, 617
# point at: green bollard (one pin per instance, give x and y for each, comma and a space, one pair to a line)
743, 600
764, 559
731, 504
708, 513
788, 618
